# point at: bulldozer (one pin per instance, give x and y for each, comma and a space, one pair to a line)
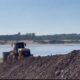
19, 52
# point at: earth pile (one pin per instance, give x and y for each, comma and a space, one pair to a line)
65, 66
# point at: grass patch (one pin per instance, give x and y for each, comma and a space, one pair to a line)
1, 59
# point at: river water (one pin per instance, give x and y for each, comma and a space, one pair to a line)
44, 49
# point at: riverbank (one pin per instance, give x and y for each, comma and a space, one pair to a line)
65, 66
41, 42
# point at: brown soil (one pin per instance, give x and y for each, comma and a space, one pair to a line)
50, 67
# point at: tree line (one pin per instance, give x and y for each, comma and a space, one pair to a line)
57, 38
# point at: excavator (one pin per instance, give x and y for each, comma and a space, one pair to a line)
18, 52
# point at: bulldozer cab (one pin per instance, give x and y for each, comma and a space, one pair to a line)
19, 45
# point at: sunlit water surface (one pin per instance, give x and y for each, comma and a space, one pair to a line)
44, 49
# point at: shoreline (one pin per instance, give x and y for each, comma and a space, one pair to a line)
32, 42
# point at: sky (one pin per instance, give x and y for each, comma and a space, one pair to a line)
39, 16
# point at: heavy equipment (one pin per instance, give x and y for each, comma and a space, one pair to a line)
18, 51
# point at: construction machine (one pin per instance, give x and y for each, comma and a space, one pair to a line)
18, 51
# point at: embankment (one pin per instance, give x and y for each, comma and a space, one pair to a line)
50, 67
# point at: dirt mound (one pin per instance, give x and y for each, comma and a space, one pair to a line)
50, 67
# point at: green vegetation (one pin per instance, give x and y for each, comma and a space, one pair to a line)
58, 38
1, 60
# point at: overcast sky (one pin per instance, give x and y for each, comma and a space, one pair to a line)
39, 16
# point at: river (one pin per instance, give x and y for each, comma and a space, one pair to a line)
44, 49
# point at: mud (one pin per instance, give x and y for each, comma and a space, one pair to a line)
49, 67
